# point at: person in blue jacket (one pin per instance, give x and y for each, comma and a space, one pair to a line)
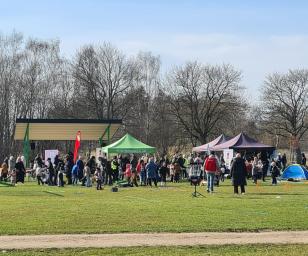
151, 169
75, 175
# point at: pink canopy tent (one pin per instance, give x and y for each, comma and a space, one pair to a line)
243, 142
209, 146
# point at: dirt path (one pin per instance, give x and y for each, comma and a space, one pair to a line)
151, 239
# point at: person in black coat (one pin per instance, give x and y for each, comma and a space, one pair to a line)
284, 161
239, 174
39, 161
69, 166
265, 164
163, 171
52, 174
304, 160
20, 171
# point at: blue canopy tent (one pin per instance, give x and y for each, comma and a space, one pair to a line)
295, 172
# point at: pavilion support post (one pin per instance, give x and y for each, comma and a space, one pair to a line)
107, 131
26, 146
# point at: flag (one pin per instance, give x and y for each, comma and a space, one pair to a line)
77, 145
26, 147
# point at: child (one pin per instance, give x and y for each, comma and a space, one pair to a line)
13, 176
87, 175
4, 172
128, 173
99, 178
275, 172
61, 174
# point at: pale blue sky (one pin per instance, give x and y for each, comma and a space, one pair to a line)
257, 37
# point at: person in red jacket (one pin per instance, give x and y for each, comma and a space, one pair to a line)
210, 167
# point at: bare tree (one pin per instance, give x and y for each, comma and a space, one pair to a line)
202, 96
285, 105
39, 78
103, 75
147, 81
10, 58
193, 103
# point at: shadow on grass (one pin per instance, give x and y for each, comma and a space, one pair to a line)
53, 193
277, 194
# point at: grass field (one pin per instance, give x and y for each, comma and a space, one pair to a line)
33, 209
228, 250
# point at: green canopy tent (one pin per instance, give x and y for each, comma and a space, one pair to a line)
128, 144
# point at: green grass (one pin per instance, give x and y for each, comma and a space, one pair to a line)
228, 250
33, 209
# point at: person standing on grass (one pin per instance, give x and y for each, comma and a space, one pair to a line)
274, 172
255, 169
177, 172
75, 175
20, 171
68, 167
51, 180
103, 165
211, 166
87, 175
4, 171
124, 161
11, 163
278, 161
108, 180
304, 160
163, 170
238, 174
151, 169
284, 161
128, 173
99, 178
223, 168
172, 171
61, 171
115, 168
265, 164
13, 175
142, 172
80, 165
134, 163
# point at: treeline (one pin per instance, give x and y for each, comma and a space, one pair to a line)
190, 104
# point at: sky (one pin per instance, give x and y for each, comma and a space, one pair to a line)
258, 37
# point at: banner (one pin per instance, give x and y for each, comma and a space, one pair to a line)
51, 153
77, 145
98, 154
228, 156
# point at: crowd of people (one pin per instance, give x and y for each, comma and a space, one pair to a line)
129, 170
134, 171
12, 170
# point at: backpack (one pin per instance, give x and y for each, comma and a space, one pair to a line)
210, 164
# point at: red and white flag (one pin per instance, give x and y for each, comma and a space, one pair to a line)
77, 145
